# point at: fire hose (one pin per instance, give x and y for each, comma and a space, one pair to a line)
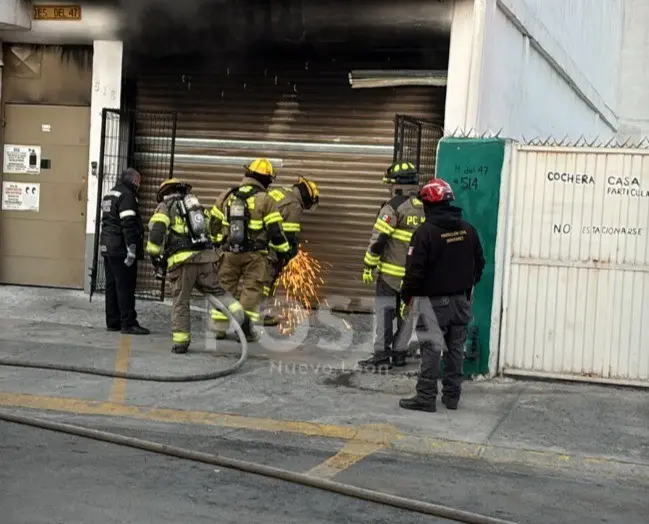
378, 497
413, 505
387, 499
149, 376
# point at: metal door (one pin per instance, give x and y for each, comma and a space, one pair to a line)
146, 142
42, 221
416, 140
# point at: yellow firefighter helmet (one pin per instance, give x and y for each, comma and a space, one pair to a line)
402, 173
311, 190
263, 167
170, 185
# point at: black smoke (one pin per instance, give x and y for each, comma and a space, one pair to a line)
214, 31
172, 27
162, 27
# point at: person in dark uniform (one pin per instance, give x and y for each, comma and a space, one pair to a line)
445, 261
121, 245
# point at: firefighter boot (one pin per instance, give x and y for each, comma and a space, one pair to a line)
180, 348
417, 404
399, 359
376, 364
251, 334
271, 320
450, 402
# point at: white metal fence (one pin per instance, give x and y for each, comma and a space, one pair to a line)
577, 264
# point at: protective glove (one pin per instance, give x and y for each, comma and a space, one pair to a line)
294, 251
158, 267
156, 261
130, 255
368, 275
283, 259
405, 304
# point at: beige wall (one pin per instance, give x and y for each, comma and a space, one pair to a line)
41, 76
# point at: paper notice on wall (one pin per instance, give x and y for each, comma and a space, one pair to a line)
18, 196
22, 159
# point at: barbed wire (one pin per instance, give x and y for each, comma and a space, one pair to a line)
615, 142
471, 133
597, 142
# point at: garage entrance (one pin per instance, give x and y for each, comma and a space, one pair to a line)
308, 119
44, 184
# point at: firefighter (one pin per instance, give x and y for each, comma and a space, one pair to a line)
398, 218
445, 261
291, 203
121, 245
179, 240
248, 223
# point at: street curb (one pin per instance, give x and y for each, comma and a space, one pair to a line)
426, 447
551, 460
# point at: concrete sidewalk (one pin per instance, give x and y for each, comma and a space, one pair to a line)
325, 340
566, 426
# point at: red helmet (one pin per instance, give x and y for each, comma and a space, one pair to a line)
436, 190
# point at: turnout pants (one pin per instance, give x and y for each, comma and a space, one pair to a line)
388, 304
120, 293
252, 270
200, 273
441, 327
274, 270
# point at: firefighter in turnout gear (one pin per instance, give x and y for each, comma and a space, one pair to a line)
179, 241
291, 202
397, 220
248, 224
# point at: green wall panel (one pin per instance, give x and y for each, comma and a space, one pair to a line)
473, 168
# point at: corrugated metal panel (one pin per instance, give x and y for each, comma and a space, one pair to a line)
579, 264
307, 119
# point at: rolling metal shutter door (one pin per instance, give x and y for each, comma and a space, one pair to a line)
309, 122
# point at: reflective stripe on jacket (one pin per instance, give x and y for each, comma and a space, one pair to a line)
121, 224
265, 226
388, 247
289, 203
169, 235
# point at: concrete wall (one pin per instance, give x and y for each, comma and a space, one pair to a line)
546, 68
14, 14
43, 76
464, 63
97, 84
106, 93
633, 90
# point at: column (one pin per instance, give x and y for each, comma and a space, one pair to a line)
106, 93
465, 66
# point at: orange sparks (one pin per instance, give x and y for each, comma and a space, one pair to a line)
301, 281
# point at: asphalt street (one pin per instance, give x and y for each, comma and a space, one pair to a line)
52, 478
49, 477
528, 452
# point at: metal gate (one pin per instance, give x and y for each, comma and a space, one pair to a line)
122, 145
415, 140
577, 264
